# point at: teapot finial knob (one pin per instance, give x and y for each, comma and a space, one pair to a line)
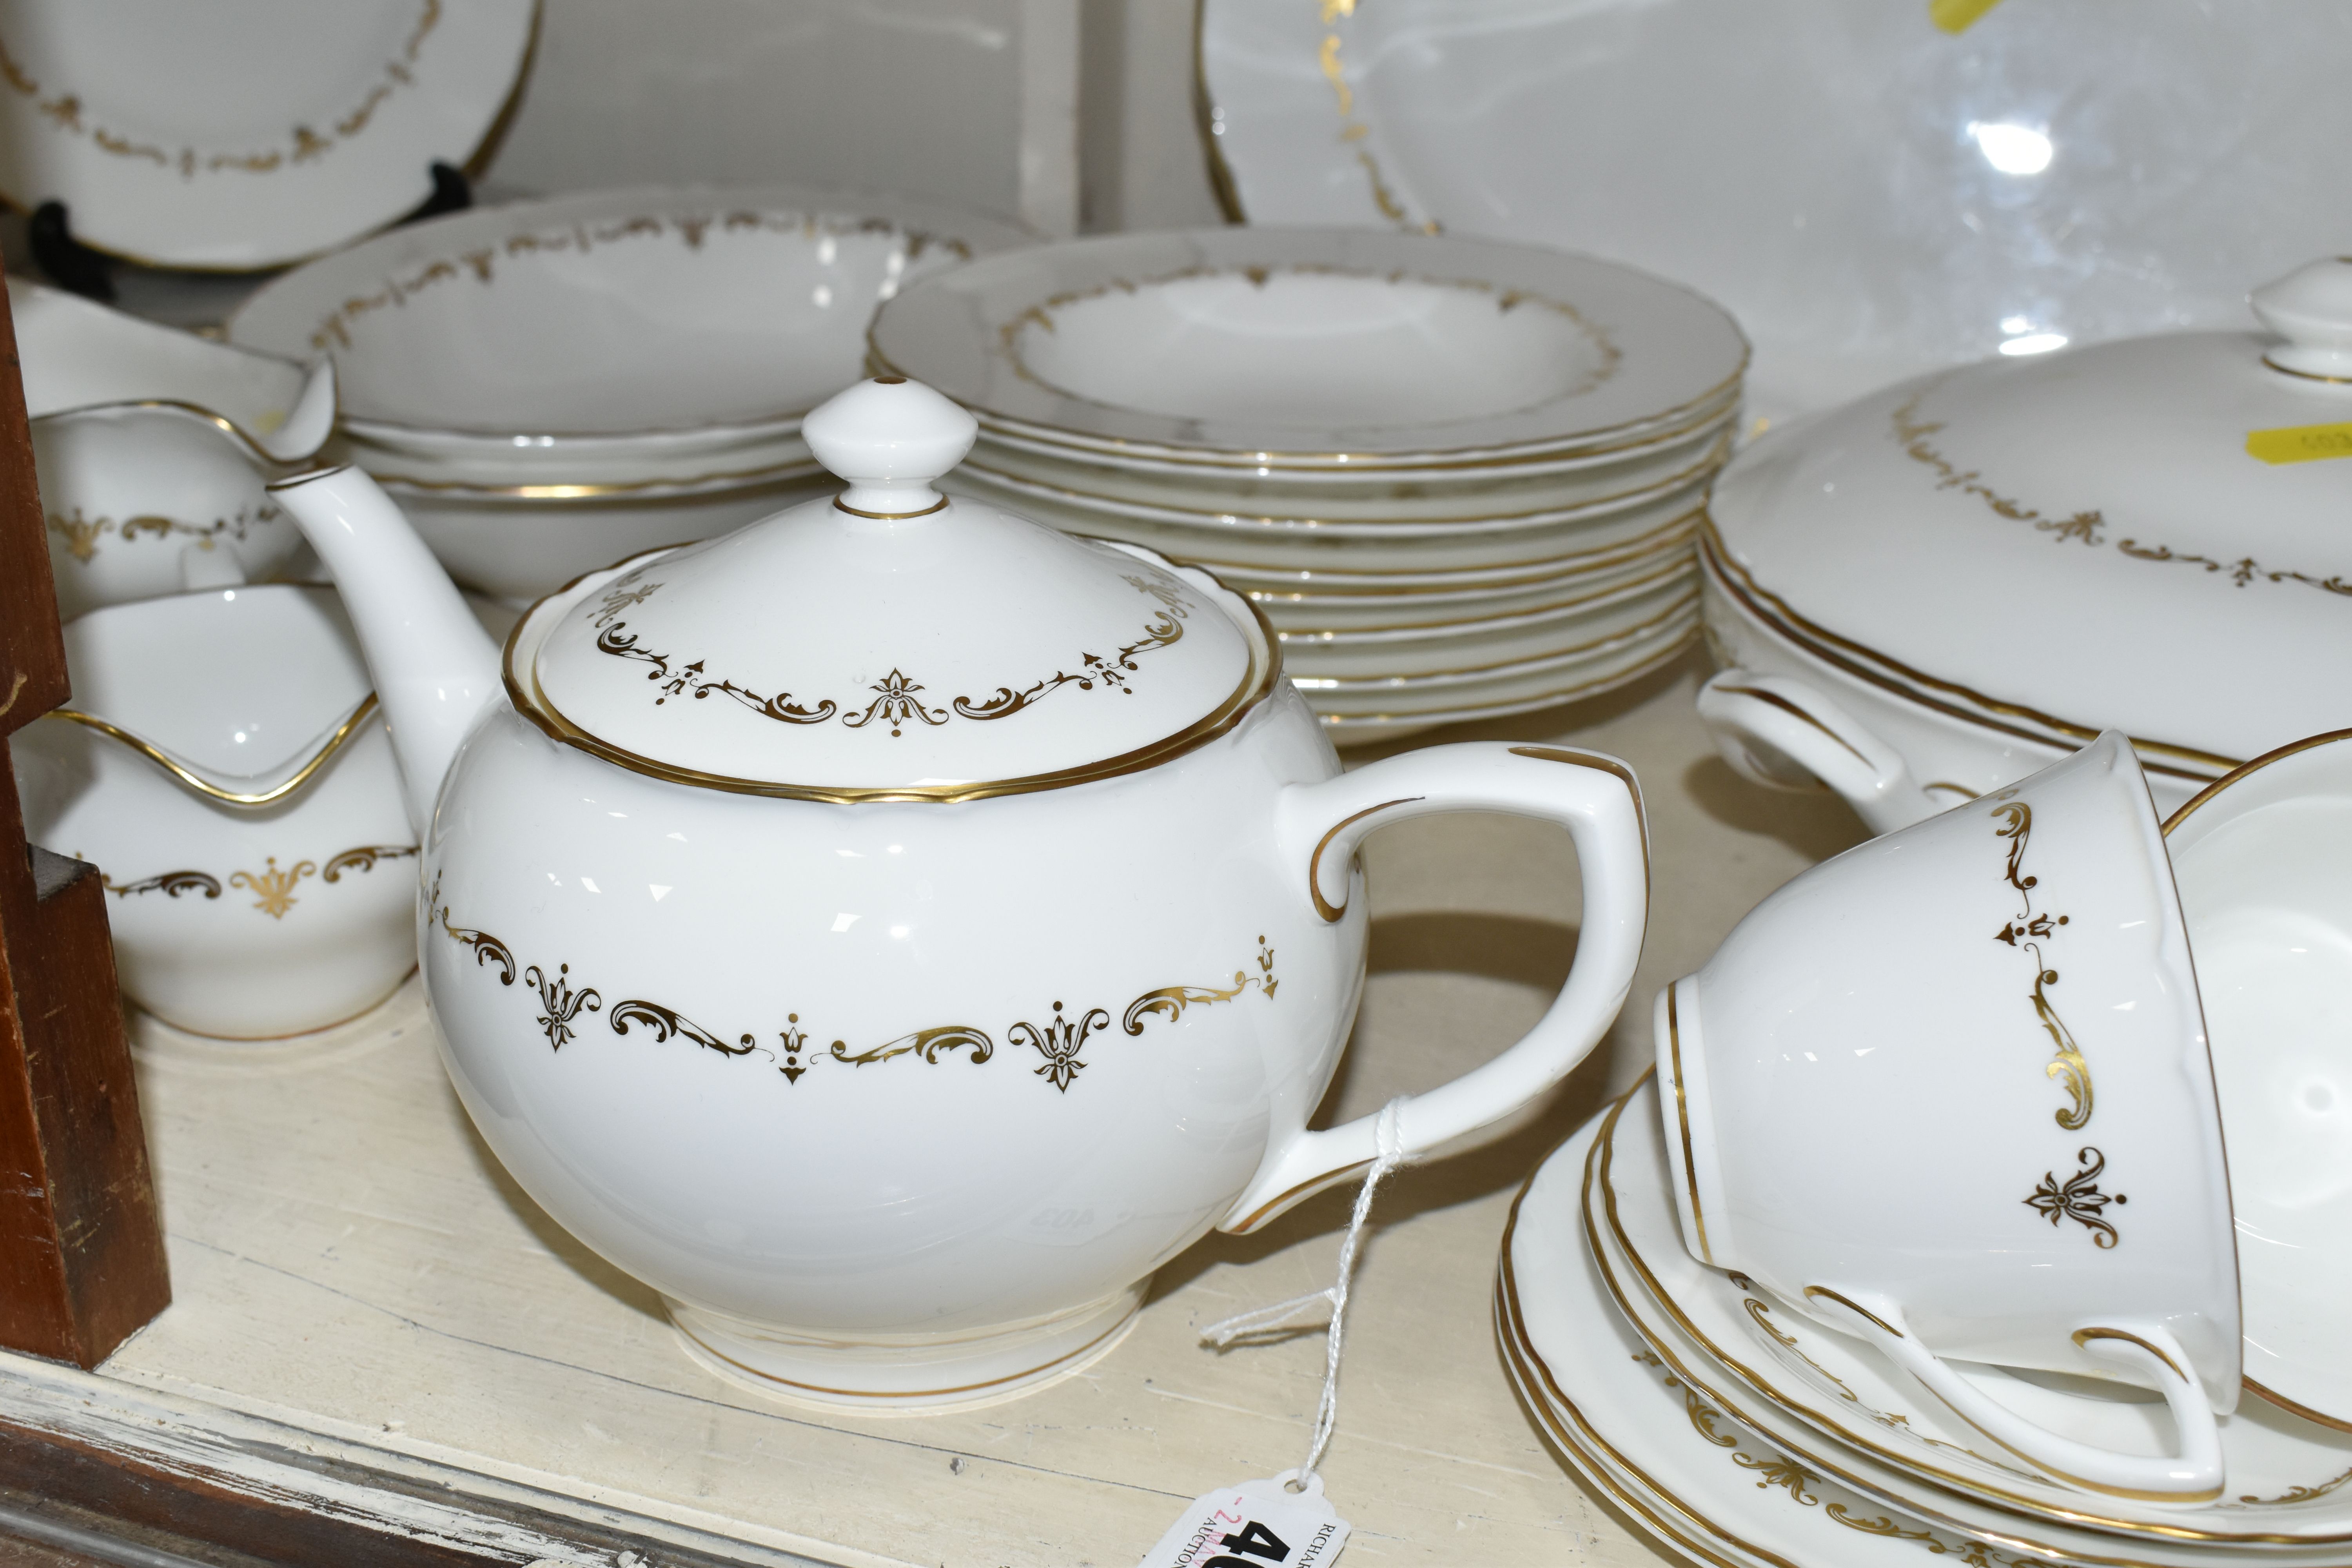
890, 438
2311, 308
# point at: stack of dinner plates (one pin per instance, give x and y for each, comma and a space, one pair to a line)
1740, 1432
1460, 480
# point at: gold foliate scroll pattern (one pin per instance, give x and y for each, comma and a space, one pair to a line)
82, 534
2077, 1197
1776, 1472
1916, 437
64, 109
897, 703
273, 885
564, 1006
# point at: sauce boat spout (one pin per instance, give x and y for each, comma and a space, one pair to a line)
436, 668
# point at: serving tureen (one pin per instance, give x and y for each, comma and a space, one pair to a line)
895, 929
1937, 589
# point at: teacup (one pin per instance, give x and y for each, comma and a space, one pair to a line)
2263, 858
1950, 1092
224, 765
143, 500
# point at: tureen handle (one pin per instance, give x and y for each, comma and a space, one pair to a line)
1784, 734
1599, 801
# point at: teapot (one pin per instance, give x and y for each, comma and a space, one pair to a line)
892, 929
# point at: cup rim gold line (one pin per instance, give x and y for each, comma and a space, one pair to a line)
1941, 1480
2239, 774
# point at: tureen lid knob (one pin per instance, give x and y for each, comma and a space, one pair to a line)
890, 438
2311, 308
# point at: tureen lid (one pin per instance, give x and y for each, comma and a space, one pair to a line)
891, 641
2153, 534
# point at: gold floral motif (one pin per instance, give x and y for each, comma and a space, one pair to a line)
2025, 932
1775, 1471
2083, 527
2078, 1198
617, 599
276, 887
1060, 1043
1761, 1313
81, 533
1171, 1001
559, 1004
1354, 131
64, 112
896, 707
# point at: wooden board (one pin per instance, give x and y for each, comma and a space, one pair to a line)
363, 1292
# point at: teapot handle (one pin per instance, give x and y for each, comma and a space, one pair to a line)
2147, 1351
1597, 800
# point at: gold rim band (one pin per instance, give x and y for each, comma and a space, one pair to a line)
1258, 682
1973, 1492
841, 505
205, 786
1846, 654
692, 485
1773, 698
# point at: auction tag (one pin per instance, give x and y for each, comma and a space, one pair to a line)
2300, 443
1258, 1524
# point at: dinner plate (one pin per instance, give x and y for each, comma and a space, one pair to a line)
1843, 1410
1678, 1464
1501, 640
1529, 543
246, 134
1871, 194
1312, 341
1489, 693
1364, 612
1469, 490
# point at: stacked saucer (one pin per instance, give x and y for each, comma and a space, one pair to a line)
1460, 480
1739, 1431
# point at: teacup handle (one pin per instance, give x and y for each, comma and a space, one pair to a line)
1775, 732
1597, 799
2147, 1350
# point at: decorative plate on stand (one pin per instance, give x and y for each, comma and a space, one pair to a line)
246, 134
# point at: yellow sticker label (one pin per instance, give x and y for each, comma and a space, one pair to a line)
1958, 16
2300, 443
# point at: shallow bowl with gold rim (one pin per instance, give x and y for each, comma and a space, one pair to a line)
894, 928
224, 765
1848, 1415
2143, 535
670, 333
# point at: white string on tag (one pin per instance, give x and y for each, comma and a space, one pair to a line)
1390, 1140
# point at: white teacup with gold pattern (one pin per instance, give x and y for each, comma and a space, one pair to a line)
1950, 1092
223, 764
895, 929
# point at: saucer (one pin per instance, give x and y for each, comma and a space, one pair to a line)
1678, 1465
1821, 1394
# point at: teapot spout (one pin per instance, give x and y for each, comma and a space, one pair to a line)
436, 670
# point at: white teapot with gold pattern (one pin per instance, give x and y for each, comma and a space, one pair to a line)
895, 929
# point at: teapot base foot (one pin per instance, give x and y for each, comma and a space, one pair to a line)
908, 1374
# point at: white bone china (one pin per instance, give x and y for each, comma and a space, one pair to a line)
2018, 968
896, 1044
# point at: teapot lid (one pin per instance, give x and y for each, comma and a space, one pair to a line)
2147, 534
891, 643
